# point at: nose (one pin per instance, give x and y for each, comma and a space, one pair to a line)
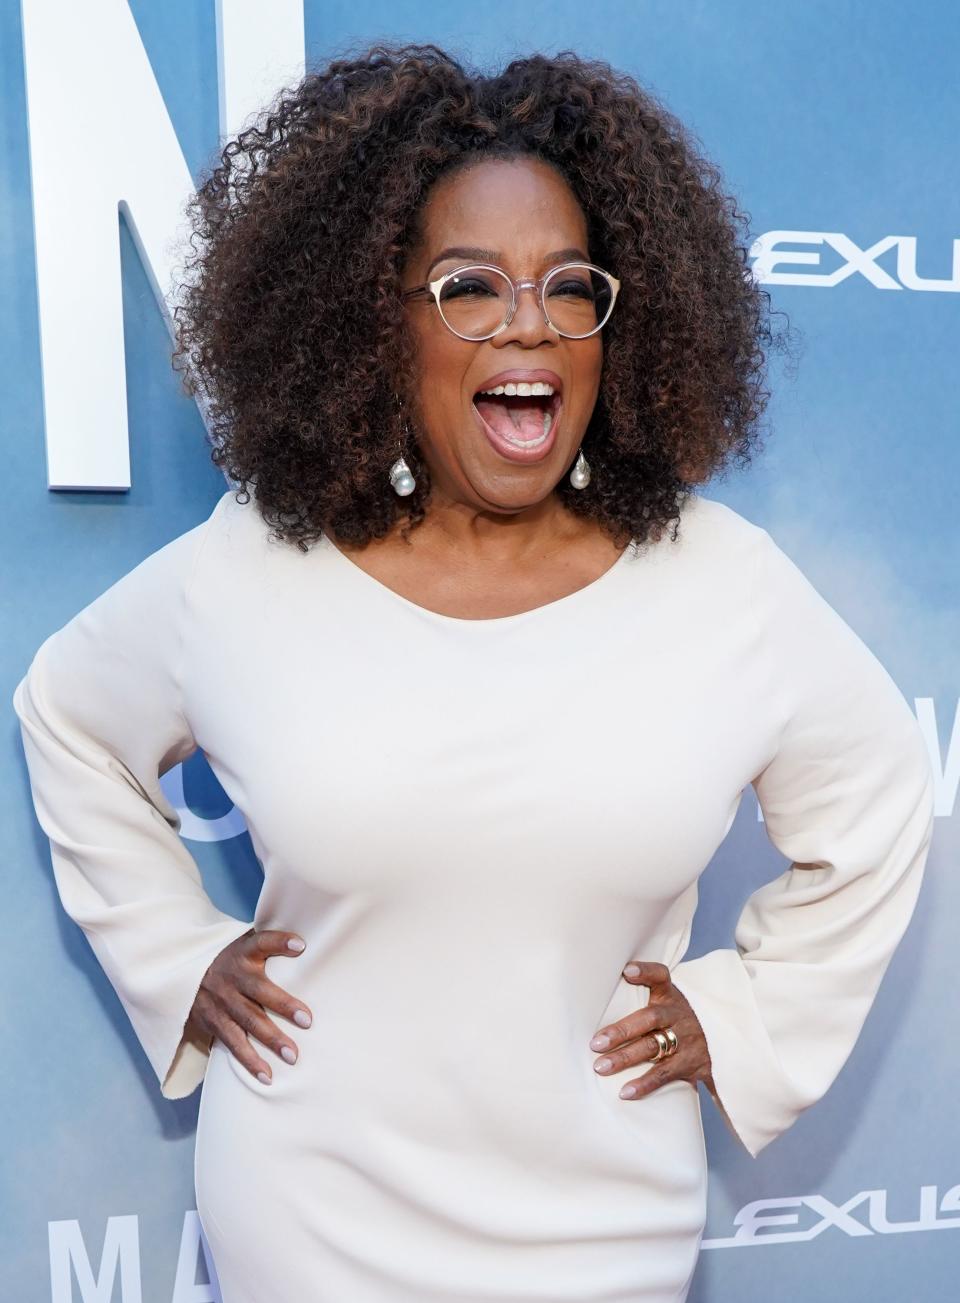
529, 325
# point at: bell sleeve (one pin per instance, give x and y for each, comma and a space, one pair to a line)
102, 719
847, 796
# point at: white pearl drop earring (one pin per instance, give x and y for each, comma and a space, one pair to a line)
580, 475
401, 476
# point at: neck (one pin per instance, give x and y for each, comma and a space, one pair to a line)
498, 537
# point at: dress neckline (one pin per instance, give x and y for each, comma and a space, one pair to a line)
491, 621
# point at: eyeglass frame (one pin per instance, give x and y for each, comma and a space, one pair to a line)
433, 288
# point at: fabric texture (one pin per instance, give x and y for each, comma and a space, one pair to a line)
474, 824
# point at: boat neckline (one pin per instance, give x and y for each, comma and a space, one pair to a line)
490, 620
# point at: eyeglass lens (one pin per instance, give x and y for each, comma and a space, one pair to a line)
475, 301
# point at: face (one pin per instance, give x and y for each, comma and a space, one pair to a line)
523, 213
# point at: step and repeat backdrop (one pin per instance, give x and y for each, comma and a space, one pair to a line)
836, 126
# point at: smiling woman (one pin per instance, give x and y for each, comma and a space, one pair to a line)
476, 336
519, 409
528, 306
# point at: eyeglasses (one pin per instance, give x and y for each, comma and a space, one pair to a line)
477, 302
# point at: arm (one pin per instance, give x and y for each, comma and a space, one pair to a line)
848, 798
101, 719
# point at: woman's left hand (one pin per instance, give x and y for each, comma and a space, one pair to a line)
631, 1040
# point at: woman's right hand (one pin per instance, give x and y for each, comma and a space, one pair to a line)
234, 993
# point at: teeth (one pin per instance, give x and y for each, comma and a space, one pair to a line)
525, 443
539, 388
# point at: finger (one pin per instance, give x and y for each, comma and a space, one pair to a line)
273, 942
639, 1023
646, 972
276, 999
658, 1076
234, 1038
638, 1051
255, 1022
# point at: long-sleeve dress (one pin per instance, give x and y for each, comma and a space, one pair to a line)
474, 824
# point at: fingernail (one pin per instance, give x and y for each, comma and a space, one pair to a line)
288, 1054
302, 1018
262, 1077
631, 970
628, 1092
600, 1043
296, 944
603, 1065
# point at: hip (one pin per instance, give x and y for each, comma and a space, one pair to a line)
450, 1138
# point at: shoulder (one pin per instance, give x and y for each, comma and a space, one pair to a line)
235, 532
241, 557
711, 536
238, 523
705, 517
717, 534
176, 564
233, 517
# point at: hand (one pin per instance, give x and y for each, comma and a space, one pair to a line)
667, 1008
234, 993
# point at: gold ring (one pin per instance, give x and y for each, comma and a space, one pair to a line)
664, 1045
667, 1042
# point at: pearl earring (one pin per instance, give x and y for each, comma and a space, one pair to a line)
580, 475
401, 477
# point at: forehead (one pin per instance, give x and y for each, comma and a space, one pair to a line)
519, 207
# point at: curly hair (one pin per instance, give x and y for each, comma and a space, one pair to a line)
289, 327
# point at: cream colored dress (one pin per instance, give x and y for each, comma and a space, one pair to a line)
474, 824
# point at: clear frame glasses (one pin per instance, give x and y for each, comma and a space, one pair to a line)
478, 301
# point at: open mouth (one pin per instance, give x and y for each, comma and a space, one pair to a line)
520, 424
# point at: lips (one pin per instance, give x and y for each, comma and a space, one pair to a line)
521, 375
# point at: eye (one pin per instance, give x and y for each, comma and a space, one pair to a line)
473, 286
572, 288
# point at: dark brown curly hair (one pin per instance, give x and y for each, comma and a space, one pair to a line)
289, 327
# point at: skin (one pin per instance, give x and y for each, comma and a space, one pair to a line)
496, 541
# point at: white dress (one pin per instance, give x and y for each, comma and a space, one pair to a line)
474, 824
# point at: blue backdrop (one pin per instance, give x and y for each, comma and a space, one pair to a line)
837, 126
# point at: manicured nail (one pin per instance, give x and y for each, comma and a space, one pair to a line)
628, 1092
288, 1054
631, 970
296, 944
302, 1018
603, 1065
600, 1043
262, 1077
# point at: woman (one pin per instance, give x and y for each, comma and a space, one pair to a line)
487, 679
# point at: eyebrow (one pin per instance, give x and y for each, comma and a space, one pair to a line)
493, 255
